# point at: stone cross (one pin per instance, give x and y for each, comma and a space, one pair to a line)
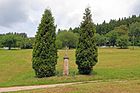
66, 65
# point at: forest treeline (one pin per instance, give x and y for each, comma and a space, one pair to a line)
120, 33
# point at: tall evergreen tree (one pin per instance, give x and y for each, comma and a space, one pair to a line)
86, 52
44, 51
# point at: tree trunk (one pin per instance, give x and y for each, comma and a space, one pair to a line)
9, 48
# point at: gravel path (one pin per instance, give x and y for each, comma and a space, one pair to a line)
21, 88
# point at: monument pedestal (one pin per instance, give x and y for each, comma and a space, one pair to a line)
66, 66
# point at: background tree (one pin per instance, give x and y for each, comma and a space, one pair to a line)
10, 40
122, 42
112, 38
20, 40
58, 44
76, 30
27, 43
67, 38
134, 34
101, 40
104, 28
86, 52
1, 45
44, 51
122, 39
121, 30
119, 33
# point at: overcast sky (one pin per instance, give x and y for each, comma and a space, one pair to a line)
25, 15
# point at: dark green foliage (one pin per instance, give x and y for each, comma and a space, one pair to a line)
44, 51
118, 33
10, 40
66, 38
76, 30
122, 39
1, 45
18, 40
24, 35
122, 42
86, 52
101, 40
27, 43
134, 34
121, 30
112, 38
58, 44
121, 27
104, 28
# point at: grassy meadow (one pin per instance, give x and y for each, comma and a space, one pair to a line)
114, 64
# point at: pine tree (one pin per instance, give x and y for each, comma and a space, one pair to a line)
44, 51
86, 52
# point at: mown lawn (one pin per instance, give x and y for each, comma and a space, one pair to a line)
121, 64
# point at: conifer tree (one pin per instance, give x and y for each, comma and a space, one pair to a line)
44, 51
86, 52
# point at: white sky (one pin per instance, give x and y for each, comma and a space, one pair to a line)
25, 15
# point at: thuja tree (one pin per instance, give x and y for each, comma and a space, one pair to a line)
86, 52
44, 51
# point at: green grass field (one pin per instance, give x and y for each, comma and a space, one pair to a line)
114, 64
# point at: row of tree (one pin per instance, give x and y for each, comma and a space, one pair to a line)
105, 27
121, 33
107, 35
16, 40
44, 58
121, 36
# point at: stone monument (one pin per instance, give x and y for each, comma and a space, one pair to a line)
66, 64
